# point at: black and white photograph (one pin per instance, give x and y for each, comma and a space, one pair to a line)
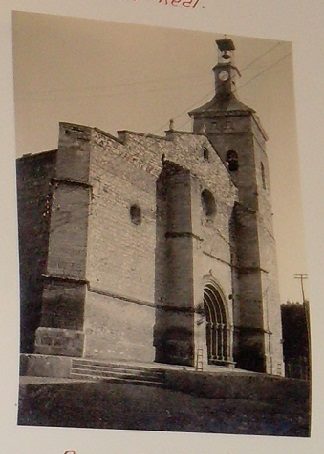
163, 278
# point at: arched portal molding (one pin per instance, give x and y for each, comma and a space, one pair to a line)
219, 331
209, 279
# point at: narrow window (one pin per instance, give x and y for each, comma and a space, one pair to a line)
206, 154
232, 160
135, 214
208, 203
263, 176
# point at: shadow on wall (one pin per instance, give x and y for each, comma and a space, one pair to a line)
174, 324
34, 174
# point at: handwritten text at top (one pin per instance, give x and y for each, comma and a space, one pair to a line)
184, 3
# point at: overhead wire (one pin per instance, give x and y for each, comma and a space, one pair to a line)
254, 77
252, 62
200, 100
185, 110
262, 72
149, 81
118, 85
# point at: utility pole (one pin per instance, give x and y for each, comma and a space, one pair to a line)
302, 277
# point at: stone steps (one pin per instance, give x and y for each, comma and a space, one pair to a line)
116, 373
123, 373
118, 369
115, 380
110, 365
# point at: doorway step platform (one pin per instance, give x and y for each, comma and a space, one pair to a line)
124, 363
213, 382
116, 373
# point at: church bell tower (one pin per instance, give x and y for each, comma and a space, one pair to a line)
237, 136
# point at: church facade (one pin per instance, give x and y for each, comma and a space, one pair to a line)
153, 249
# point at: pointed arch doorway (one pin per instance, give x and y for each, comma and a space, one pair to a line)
218, 329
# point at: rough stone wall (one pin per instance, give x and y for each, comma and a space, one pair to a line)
233, 132
212, 254
64, 293
249, 297
117, 328
34, 174
126, 263
106, 276
174, 328
121, 255
268, 261
256, 303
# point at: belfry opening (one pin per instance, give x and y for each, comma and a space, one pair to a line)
218, 329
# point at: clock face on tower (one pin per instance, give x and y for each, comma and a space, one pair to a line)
223, 76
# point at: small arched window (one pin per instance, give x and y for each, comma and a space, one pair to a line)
208, 203
232, 160
264, 184
135, 214
206, 154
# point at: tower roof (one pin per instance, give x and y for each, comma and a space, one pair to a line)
222, 104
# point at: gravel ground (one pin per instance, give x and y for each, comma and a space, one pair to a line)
66, 403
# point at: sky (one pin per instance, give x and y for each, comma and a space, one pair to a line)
125, 76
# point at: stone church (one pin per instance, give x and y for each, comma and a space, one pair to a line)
154, 249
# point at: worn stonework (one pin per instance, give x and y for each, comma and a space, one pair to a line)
155, 248
34, 175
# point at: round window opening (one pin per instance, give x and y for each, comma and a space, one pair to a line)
208, 203
135, 214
